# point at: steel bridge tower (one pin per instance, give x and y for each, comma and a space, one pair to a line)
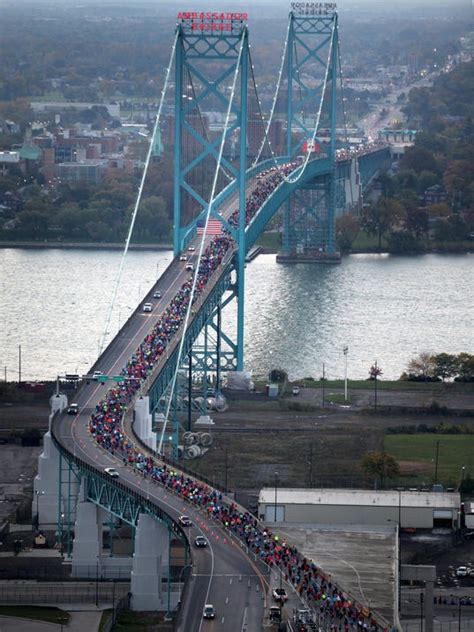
312, 73
212, 52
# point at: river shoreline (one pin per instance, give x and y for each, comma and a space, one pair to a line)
67, 245
79, 245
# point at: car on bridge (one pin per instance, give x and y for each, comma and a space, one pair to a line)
209, 612
200, 541
111, 472
147, 307
157, 294
96, 374
183, 258
184, 521
189, 266
192, 248
73, 409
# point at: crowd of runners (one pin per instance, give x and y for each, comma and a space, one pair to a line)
105, 426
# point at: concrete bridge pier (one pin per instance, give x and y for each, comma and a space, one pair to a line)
87, 544
142, 424
151, 548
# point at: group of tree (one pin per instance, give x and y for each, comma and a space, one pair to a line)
443, 154
427, 367
99, 213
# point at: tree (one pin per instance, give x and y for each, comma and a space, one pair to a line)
444, 365
347, 229
465, 367
374, 373
381, 217
421, 366
454, 228
416, 221
379, 465
419, 159
403, 242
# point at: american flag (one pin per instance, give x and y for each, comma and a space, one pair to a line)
214, 226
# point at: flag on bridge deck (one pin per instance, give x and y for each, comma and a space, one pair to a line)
214, 226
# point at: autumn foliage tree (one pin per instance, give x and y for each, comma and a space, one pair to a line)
380, 466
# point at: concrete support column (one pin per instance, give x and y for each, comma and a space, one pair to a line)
143, 422
429, 610
151, 546
87, 545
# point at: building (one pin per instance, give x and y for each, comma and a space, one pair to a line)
58, 106
434, 195
410, 509
87, 172
7, 160
398, 139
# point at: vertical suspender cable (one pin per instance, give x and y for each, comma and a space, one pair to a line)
302, 169
139, 197
201, 245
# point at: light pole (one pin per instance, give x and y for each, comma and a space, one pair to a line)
345, 351
38, 494
461, 481
276, 495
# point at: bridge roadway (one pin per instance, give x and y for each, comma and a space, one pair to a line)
222, 573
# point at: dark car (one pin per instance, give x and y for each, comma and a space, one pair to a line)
200, 541
73, 409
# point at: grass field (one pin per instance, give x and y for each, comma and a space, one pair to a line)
416, 455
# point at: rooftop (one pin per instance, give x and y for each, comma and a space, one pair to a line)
382, 498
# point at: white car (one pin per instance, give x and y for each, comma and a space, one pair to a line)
111, 472
147, 307
190, 267
279, 594
462, 571
96, 374
157, 294
209, 612
183, 258
184, 521
192, 248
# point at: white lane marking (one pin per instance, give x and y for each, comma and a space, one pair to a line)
222, 620
227, 600
244, 619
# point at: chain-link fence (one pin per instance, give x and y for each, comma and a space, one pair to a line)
57, 592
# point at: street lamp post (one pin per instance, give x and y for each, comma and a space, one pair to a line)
38, 494
345, 351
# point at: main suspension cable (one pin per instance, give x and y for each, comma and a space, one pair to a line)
139, 196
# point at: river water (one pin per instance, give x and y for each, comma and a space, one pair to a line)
384, 308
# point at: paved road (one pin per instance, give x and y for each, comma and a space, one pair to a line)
222, 573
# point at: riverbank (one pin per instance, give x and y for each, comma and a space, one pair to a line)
65, 245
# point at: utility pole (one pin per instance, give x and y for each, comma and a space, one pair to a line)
311, 447
226, 469
436, 462
345, 351
324, 382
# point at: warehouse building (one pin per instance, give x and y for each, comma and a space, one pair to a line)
410, 509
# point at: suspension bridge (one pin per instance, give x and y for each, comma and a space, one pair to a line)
228, 185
